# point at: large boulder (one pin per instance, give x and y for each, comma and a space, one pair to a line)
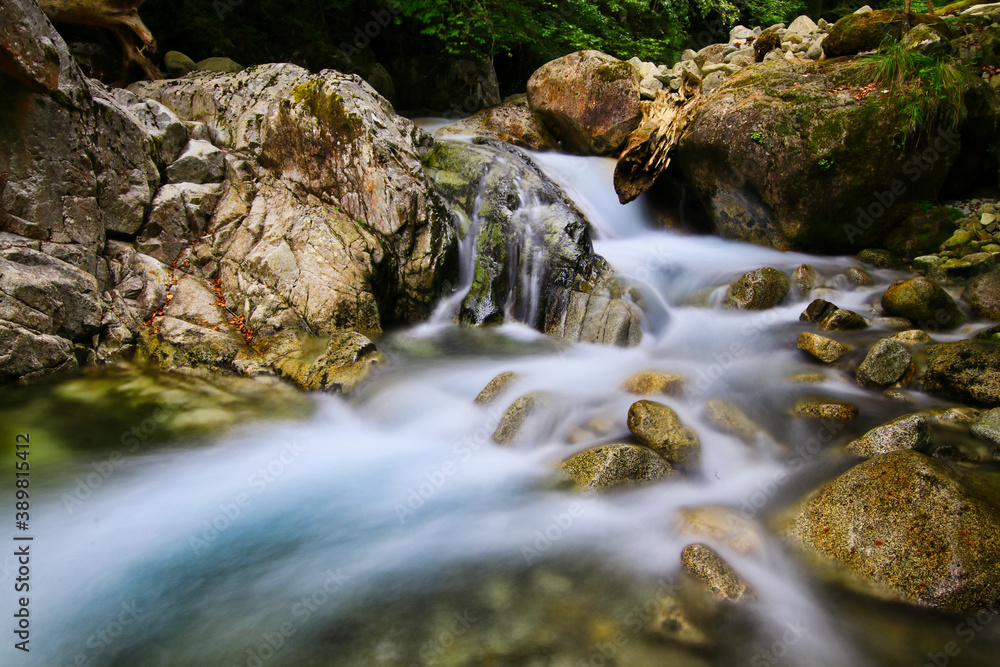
924, 302
983, 294
911, 523
513, 122
533, 252
780, 155
589, 100
967, 370
855, 33
305, 240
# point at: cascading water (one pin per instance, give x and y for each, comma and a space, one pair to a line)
389, 529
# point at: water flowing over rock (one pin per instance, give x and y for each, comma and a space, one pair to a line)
531, 252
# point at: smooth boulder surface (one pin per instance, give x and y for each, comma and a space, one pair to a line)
923, 301
658, 427
513, 122
855, 33
983, 295
825, 349
910, 522
885, 363
906, 432
588, 99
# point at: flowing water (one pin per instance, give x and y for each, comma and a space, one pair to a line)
388, 529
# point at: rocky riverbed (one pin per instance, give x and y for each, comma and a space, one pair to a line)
630, 442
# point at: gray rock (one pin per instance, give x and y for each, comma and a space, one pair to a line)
710, 82
803, 25
658, 427
906, 432
180, 214
201, 162
988, 425
885, 363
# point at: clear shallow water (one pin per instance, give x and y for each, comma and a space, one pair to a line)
388, 529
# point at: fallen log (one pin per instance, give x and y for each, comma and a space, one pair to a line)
648, 149
119, 16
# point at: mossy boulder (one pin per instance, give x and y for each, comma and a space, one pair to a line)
758, 290
966, 370
535, 261
923, 301
768, 41
855, 33
658, 427
219, 64
983, 295
782, 155
912, 523
178, 64
588, 99
617, 464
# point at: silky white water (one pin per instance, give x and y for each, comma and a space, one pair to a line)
389, 529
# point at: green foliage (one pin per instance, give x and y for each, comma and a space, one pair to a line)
757, 137
930, 92
825, 164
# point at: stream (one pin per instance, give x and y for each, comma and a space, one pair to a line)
388, 529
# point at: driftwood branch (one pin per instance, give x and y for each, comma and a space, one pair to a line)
648, 151
119, 16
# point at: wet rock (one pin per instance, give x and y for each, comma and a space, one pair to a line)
880, 259
988, 425
495, 387
923, 301
953, 416
674, 623
651, 383
723, 524
513, 122
860, 277
908, 521
512, 427
757, 290
727, 417
825, 349
843, 320
983, 295
825, 408
658, 427
967, 370
885, 363
201, 162
559, 286
911, 337
588, 99
906, 432
708, 567
616, 464
817, 311
805, 278
897, 323
337, 363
